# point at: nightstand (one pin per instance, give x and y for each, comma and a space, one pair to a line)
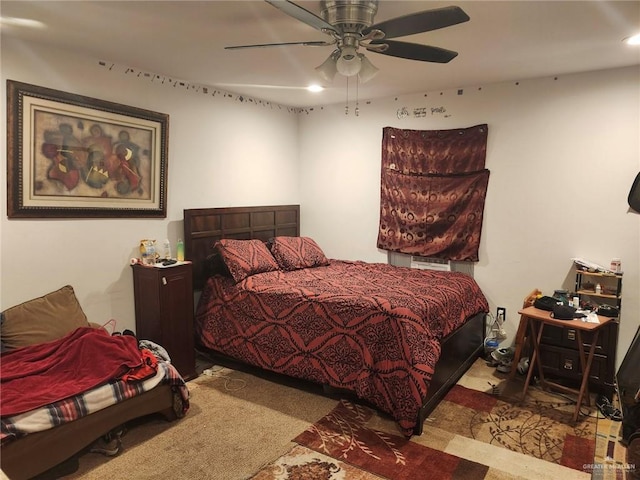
164, 311
537, 319
559, 353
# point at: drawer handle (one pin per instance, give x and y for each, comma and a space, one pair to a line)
571, 334
164, 280
568, 364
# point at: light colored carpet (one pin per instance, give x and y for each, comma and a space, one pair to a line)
236, 424
477, 432
241, 424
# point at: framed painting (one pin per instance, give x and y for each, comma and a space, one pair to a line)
74, 156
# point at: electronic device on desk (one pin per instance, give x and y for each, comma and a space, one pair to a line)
608, 311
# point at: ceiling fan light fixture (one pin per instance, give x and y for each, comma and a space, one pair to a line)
327, 71
351, 25
367, 69
349, 63
633, 40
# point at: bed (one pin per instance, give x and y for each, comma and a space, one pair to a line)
66, 383
397, 338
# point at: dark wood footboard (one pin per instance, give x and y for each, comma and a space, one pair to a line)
459, 351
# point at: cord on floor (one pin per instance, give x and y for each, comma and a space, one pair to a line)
230, 384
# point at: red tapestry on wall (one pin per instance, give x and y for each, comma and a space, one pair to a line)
433, 190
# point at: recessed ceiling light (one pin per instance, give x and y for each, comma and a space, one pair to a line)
21, 22
633, 40
315, 88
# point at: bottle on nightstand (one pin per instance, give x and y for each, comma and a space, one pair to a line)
180, 250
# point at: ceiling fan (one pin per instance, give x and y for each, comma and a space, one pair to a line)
350, 25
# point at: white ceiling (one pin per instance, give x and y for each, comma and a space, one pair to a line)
503, 41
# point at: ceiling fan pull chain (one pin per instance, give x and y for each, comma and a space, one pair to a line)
357, 110
346, 105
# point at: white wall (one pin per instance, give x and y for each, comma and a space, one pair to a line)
222, 152
562, 152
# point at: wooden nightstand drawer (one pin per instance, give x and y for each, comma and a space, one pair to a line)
565, 363
567, 337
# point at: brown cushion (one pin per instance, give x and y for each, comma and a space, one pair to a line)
42, 319
293, 253
244, 258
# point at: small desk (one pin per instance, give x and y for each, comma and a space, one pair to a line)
536, 320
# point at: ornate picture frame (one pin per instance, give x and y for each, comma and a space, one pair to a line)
71, 156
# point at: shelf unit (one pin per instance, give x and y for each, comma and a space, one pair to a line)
559, 348
610, 282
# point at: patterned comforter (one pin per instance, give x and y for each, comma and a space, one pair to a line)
373, 329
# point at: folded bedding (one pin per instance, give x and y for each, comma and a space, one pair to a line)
91, 401
36, 375
56, 367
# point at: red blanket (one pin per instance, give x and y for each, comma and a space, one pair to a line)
37, 375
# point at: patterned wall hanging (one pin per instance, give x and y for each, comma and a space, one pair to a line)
433, 191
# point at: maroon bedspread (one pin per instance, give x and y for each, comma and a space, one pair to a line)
37, 375
373, 329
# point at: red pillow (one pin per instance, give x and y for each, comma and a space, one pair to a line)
244, 258
293, 253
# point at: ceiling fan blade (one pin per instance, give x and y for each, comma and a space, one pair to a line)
302, 14
262, 45
420, 22
414, 51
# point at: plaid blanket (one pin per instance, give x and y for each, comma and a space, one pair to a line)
91, 401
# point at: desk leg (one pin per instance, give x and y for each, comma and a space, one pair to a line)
535, 338
586, 370
521, 338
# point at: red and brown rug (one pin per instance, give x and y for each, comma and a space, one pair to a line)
540, 426
472, 434
342, 447
302, 463
344, 435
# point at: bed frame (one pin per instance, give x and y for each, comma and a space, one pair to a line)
204, 226
36, 453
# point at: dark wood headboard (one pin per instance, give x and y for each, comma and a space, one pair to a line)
204, 226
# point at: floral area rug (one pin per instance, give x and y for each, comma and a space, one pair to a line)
343, 434
302, 463
475, 433
539, 426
